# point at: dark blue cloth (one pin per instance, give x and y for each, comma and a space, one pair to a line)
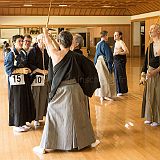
103, 49
21, 105
35, 59
9, 63
120, 73
15, 60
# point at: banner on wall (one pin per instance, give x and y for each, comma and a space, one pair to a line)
8, 33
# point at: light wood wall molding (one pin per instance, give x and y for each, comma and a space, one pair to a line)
59, 26
148, 23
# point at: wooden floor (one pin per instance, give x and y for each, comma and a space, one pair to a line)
117, 124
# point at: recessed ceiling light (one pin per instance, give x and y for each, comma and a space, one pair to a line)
107, 6
63, 5
27, 5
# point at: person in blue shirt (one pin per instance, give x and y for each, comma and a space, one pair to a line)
21, 106
103, 61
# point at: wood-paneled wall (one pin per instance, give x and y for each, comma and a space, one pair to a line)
125, 29
135, 50
148, 23
94, 33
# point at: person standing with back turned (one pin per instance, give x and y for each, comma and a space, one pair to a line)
67, 124
103, 61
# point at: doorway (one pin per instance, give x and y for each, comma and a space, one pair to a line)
142, 31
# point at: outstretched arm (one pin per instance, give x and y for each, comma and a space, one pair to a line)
54, 42
52, 51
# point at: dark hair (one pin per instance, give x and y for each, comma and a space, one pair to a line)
65, 39
28, 36
6, 45
4, 42
120, 34
15, 37
104, 33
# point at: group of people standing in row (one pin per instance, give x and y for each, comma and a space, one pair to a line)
54, 79
49, 79
25, 65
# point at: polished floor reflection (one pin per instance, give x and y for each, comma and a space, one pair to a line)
117, 124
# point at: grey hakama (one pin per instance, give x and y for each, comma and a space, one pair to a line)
40, 96
152, 105
67, 124
107, 83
